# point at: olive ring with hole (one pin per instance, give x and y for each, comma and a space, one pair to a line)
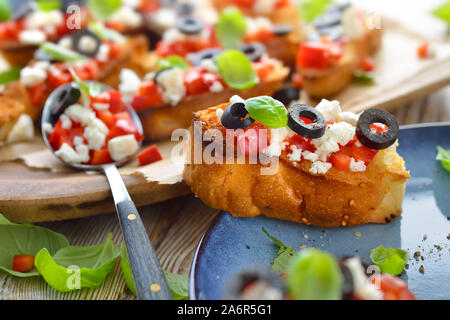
312, 130
372, 139
65, 99
253, 50
86, 42
236, 117
189, 25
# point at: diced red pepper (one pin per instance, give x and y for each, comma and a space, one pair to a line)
100, 157
107, 117
340, 161
297, 80
262, 69
394, 289
193, 81
58, 76
363, 153
149, 155
123, 127
301, 143
367, 64
318, 55
423, 50
115, 101
23, 263
148, 96
37, 94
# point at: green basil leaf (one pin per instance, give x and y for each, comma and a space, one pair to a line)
178, 284
364, 77
173, 61
312, 9
236, 70
105, 33
268, 111
10, 75
389, 260
315, 275
103, 9
5, 10
48, 5
444, 157
443, 12
230, 28
24, 239
92, 89
60, 53
283, 257
73, 268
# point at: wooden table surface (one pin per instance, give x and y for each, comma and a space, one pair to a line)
175, 227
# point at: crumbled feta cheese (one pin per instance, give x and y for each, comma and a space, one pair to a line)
330, 109
219, 114
349, 117
32, 37
264, 6
23, 130
31, 76
95, 134
254, 25
77, 141
66, 123
172, 35
103, 52
131, 3
308, 155
122, 147
80, 114
352, 24
277, 144
357, 166
209, 65
42, 19
68, 154
296, 154
362, 286
65, 42
172, 85
87, 43
319, 167
164, 18
236, 98
129, 83
47, 128
150, 76
336, 134
100, 106
216, 87
129, 17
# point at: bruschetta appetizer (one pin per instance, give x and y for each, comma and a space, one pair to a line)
166, 99
191, 35
317, 166
340, 40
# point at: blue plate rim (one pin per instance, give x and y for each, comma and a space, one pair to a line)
205, 236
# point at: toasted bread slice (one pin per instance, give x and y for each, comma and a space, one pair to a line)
159, 123
338, 198
10, 111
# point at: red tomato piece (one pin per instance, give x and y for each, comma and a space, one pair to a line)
123, 127
367, 64
318, 55
363, 153
149, 155
107, 117
58, 76
394, 288
297, 80
301, 143
193, 81
23, 263
100, 157
378, 127
148, 96
37, 94
423, 50
340, 161
262, 69
115, 101
253, 140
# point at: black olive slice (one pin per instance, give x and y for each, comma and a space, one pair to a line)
189, 25
282, 29
65, 4
239, 282
236, 117
77, 39
328, 19
332, 33
372, 139
314, 130
196, 58
287, 95
185, 8
340, 6
67, 97
21, 9
253, 50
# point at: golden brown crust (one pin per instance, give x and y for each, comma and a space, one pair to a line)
159, 123
10, 111
339, 198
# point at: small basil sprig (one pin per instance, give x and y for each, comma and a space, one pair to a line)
230, 28
364, 77
389, 260
315, 275
173, 61
268, 111
60, 53
5, 10
444, 157
48, 5
283, 256
443, 12
10, 75
92, 89
105, 33
103, 9
311, 9
236, 70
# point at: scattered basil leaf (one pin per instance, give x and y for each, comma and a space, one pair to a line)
24, 239
444, 157
364, 77
389, 260
443, 12
105, 33
60, 53
5, 10
236, 70
311, 9
268, 111
283, 257
178, 284
48, 5
73, 268
173, 61
230, 28
103, 9
10, 75
91, 88
315, 275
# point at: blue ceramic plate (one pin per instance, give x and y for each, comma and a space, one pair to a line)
232, 244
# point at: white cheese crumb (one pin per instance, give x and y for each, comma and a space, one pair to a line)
42, 19
320, 167
349, 117
122, 147
68, 154
80, 114
362, 287
330, 109
129, 83
65, 42
308, 155
336, 134
31, 76
296, 154
87, 43
66, 123
357, 166
129, 17
216, 87
352, 25
236, 98
32, 37
23, 130
164, 18
264, 6
172, 85
95, 134
173, 35
47, 128
209, 65
77, 141
277, 144
103, 52
100, 106
219, 113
